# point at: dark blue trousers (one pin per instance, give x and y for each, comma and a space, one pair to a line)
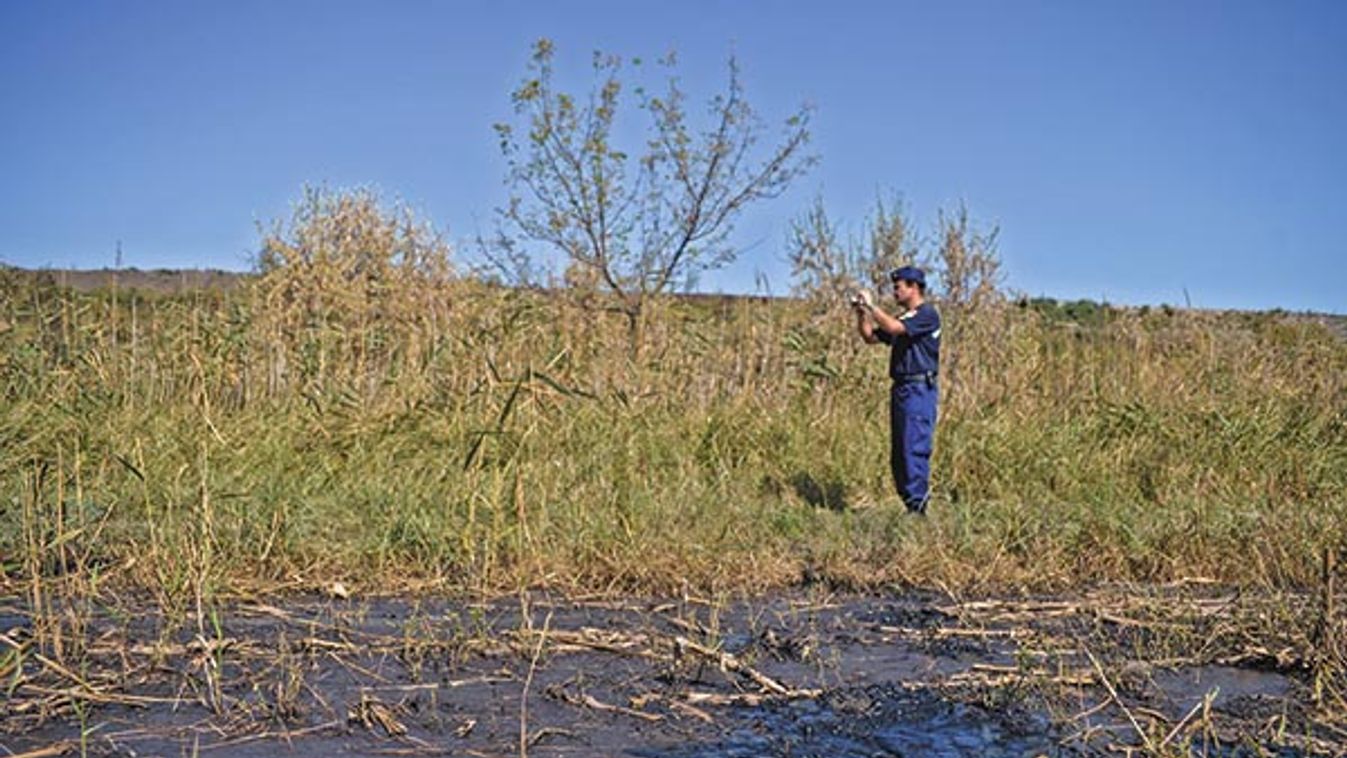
912, 410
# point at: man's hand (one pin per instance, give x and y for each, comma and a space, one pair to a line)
862, 300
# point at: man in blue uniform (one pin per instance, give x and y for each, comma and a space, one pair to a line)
914, 363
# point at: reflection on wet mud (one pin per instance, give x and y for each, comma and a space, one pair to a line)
878, 721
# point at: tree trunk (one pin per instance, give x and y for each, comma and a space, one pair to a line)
635, 312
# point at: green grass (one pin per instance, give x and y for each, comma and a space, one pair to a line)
462, 437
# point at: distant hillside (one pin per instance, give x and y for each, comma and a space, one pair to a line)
162, 280
174, 281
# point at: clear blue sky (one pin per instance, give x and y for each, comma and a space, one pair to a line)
1127, 150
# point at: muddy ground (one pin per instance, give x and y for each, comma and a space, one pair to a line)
1176, 670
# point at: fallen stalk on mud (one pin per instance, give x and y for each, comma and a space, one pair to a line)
949, 631
587, 638
56, 696
684, 708
1113, 693
269, 735
1202, 705
995, 674
54, 749
589, 701
728, 662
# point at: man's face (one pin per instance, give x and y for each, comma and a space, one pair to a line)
903, 291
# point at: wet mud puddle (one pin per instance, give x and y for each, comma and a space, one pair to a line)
800, 675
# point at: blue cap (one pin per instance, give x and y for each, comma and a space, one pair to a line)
908, 274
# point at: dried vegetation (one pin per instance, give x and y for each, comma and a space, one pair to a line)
358, 416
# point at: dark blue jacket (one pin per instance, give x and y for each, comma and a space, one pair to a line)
916, 353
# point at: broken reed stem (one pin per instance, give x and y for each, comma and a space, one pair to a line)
287, 735
1203, 704
1328, 620
528, 682
50, 751
1329, 662
1113, 693
589, 701
728, 662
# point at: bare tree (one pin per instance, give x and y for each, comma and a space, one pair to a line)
633, 227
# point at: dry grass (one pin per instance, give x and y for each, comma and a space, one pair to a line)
368, 418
